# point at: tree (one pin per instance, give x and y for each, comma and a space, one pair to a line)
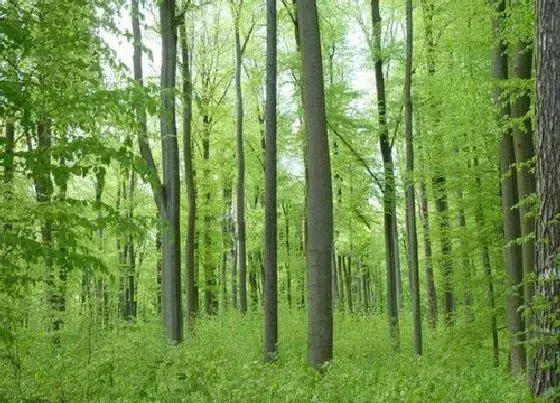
412, 241
511, 223
192, 295
271, 223
439, 181
389, 195
546, 376
319, 191
241, 232
171, 270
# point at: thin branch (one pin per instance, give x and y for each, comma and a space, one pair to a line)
359, 157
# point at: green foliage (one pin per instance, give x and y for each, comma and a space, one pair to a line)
223, 362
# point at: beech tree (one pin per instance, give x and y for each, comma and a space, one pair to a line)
319, 191
171, 270
545, 377
270, 275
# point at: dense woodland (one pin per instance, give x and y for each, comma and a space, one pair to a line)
241, 200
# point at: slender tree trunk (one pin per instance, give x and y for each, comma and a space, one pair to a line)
439, 181
131, 266
191, 305
319, 191
241, 237
171, 272
487, 269
287, 263
233, 257
226, 243
546, 375
430, 284
9, 164
510, 214
347, 268
270, 274
144, 146
412, 241
526, 185
341, 281
389, 197
465, 260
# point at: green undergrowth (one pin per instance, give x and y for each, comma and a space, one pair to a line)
222, 362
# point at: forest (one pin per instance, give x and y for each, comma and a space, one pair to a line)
279, 201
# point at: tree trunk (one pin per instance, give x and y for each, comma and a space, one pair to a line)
9, 165
287, 263
270, 251
412, 241
439, 182
526, 186
510, 214
191, 305
546, 375
341, 281
347, 269
319, 191
131, 305
144, 146
487, 268
465, 260
430, 284
226, 244
171, 271
241, 237
389, 196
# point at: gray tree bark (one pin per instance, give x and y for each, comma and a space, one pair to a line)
546, 375
389, 196
171, 270
190, 268
319, 191
412, 240
241, 231
510, 214
271, 224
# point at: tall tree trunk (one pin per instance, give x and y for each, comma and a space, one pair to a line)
465, 259
226, 243
487, 268
341, 281
43, 194
412, 241
171, 272
526, 186
233, 257
271, 224
546, 375
430, 284
241, 237
287, 262
347, 269
144, 146
510, 214
131, 266
439, 181
389, 197
189, 181
319, 191
9, 146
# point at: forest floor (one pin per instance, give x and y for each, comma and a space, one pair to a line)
223, 363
